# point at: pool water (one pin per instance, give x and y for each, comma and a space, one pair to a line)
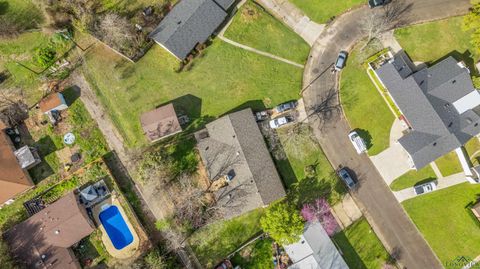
116, 227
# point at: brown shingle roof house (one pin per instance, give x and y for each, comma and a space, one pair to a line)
234, 151
160, 123
13, 179
44, 240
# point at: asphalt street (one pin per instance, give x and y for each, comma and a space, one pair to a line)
377, 202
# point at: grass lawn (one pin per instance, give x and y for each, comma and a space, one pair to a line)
23, 12
302, 151
220, 80
413, 178
473, 150
364, 107
360, 246
254, 27
258, 255
449, 164
214, 242
445, 223
445, 36
322, 10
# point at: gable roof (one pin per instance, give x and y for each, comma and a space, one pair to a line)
52, 101
160, 123
13, 179
439, 102
189, 23
50, 232
315, 250
234, 142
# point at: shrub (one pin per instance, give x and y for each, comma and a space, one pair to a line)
45, 56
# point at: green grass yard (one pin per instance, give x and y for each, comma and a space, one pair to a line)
449, 164
222, 79
258, 255
254, 27
446, 36
413, 178
445, 223
473, 150
213, 242
302, 151
363, 105
361, 247
322, 10
23, 12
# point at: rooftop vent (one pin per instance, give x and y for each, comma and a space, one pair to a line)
454, 81
434, 144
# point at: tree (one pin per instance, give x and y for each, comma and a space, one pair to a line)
319, 211
155, 260
476, 82
471, 23
116, 31
283, 223
384, 19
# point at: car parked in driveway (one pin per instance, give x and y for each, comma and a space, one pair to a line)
425, 188
347, 178
376, 3
341, 60
279, 122
286, 106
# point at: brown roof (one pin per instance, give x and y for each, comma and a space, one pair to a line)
13, 179
50, 102
50, 232
160, 123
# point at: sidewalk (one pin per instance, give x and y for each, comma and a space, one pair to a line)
442, 183
294, 18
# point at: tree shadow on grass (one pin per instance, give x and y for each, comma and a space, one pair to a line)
366, 136
4, 6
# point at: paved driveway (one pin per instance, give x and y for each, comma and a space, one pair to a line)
380, 206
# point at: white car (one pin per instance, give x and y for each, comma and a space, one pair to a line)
357, 142
279, 122
425, 188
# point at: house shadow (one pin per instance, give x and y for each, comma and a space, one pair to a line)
466, 57
348, 252
71, 94
45, 147
366, 136
255, 105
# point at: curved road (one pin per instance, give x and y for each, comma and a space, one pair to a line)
382, 210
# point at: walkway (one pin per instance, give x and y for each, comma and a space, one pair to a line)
294, 18
266, 54
442, 183
383, 212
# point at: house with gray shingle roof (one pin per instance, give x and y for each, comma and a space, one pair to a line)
439, 103
239, 164
189, 23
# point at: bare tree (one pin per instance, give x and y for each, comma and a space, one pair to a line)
116, 31
385, 19
220, 159
13, 108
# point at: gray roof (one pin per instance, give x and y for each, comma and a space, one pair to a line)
225, 4
234, 142
315, 250
426, 99
189, 23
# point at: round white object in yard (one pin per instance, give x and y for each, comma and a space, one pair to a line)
69, 138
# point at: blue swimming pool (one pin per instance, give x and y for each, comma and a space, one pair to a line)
116, 227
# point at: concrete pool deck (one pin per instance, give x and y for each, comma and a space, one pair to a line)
126, 252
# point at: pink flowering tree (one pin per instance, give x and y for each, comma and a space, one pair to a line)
319, 211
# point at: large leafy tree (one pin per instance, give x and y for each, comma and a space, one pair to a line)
471, 23
283, 223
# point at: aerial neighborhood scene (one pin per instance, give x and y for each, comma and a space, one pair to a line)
237, 134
